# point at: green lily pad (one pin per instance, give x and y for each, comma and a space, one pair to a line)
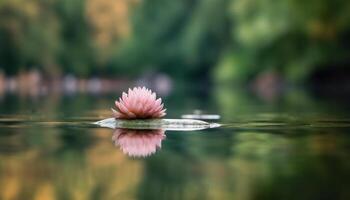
166, 124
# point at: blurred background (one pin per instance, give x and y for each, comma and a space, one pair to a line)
276, 71
95, 44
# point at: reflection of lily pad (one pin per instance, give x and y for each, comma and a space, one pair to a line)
166, 124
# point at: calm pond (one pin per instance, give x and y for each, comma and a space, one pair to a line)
290, 146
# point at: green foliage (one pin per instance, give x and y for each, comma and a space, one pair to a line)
292, 37
76, 56
48, 35
227, 40
177, 37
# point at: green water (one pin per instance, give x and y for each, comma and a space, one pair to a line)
293, 146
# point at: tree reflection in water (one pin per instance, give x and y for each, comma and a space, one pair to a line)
138, 143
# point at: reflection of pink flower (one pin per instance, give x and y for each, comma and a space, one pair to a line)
139, 103
138, 143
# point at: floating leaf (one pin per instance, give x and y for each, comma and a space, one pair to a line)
166, 124
200, 116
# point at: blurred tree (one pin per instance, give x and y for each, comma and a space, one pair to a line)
228, 40
27, 35
177, 37
77, 53
55, 36
291, 37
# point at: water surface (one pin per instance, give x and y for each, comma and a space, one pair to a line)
294, 146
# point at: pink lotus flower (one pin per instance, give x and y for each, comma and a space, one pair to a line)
139, 103
138, 143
